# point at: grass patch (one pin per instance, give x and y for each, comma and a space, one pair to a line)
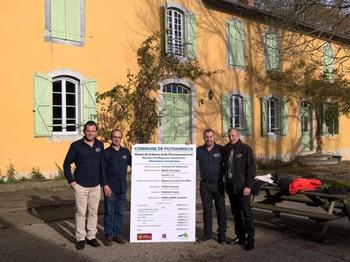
60, 174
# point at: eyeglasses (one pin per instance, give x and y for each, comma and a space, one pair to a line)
118, 137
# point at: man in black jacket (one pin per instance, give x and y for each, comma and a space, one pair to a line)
210, 156
240, 173
86, 154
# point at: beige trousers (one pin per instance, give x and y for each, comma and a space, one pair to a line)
87, 200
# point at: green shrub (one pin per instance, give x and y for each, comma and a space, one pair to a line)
11, 173
2, 181
36, 175
23, 179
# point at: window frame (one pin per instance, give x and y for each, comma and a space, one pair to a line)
240, 115
188, 34
276, 115
78, 109
47, 34
334, 121
171, 32
305, 120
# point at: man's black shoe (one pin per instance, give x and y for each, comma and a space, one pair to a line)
206, 238
250, 244
80, 245
222, 240
236, 241
93, 242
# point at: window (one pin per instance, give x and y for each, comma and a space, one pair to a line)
327, 62
274, 116
236, 43
305, 117
176, 32
180, 32
62, 104
176, 89
65, 21
236, 112
236, 119
272, 51
330, 119
65, 105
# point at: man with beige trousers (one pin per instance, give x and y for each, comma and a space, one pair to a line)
86, 154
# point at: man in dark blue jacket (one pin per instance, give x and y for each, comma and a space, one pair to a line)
210, 156
86, 154
115, 162
240, 172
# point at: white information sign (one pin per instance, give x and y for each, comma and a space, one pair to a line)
163, 193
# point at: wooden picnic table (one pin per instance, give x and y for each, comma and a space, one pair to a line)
331, 206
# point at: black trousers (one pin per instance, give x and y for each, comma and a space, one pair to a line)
242, 213
210, 192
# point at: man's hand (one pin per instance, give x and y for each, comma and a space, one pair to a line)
107, 190
73, 185
246, 191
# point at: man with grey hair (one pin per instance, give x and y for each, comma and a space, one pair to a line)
240, 172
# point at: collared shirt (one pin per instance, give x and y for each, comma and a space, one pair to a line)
114, 168
210, 162
87, 162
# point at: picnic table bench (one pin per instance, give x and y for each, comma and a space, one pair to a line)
332, 206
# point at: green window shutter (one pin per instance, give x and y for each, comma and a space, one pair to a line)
58, 19
72, 20
284, 118
89, 100
236, 43
166, 48
328, 62
263, 116
230, 41
248, 115
225, 114
272, 52
42, 105
191, 44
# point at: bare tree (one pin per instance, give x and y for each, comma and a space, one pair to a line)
306, 25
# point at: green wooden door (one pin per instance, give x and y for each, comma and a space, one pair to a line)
176, 118
306, 126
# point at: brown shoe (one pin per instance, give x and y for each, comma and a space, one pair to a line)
108, 241
120, 239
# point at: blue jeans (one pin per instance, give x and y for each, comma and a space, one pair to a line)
113, 219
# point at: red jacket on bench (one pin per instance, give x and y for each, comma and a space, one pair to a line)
303, 184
